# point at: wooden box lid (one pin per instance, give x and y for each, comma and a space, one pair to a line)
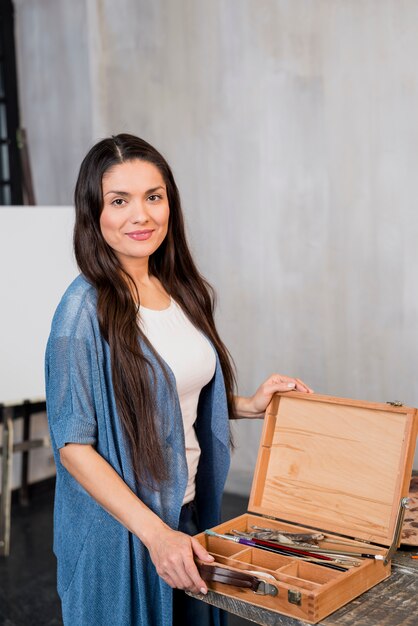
335, 464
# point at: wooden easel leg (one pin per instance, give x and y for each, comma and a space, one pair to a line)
6, 481
24, 491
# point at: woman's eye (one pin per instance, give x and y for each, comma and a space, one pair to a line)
154, 197
118, 201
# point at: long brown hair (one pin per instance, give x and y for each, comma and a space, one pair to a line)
173, 265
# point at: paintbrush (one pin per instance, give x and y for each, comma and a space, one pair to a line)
293, 550
283, 550
316, 550
306, 538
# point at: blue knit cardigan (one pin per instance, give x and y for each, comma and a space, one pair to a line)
105, 574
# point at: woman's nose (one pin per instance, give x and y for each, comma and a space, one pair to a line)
139, 213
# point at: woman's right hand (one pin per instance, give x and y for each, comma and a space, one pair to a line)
172, 553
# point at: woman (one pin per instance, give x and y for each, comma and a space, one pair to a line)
139, 391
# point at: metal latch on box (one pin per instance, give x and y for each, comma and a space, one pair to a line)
294, 597
398, 529
266, 589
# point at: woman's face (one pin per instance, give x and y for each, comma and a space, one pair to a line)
134, 219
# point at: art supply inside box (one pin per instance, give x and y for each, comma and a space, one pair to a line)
329, 468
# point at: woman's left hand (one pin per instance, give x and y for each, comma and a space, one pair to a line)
256, 405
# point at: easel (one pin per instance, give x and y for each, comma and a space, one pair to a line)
9, 413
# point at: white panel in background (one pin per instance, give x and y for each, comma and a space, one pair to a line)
36, 266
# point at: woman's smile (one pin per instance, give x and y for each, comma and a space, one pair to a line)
140, 235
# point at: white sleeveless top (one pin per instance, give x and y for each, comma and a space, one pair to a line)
192, 360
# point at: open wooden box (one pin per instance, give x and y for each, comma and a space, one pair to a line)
335, 465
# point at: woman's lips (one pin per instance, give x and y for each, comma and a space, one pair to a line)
140, 235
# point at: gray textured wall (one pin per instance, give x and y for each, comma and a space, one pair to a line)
55, 91
292, 128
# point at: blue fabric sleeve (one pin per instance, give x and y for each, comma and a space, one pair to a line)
71, 377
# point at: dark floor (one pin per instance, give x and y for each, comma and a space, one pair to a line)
27, 577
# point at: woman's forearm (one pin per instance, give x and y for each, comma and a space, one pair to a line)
245, 409
171, 551
105, 485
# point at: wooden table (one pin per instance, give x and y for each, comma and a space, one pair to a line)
393, 602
